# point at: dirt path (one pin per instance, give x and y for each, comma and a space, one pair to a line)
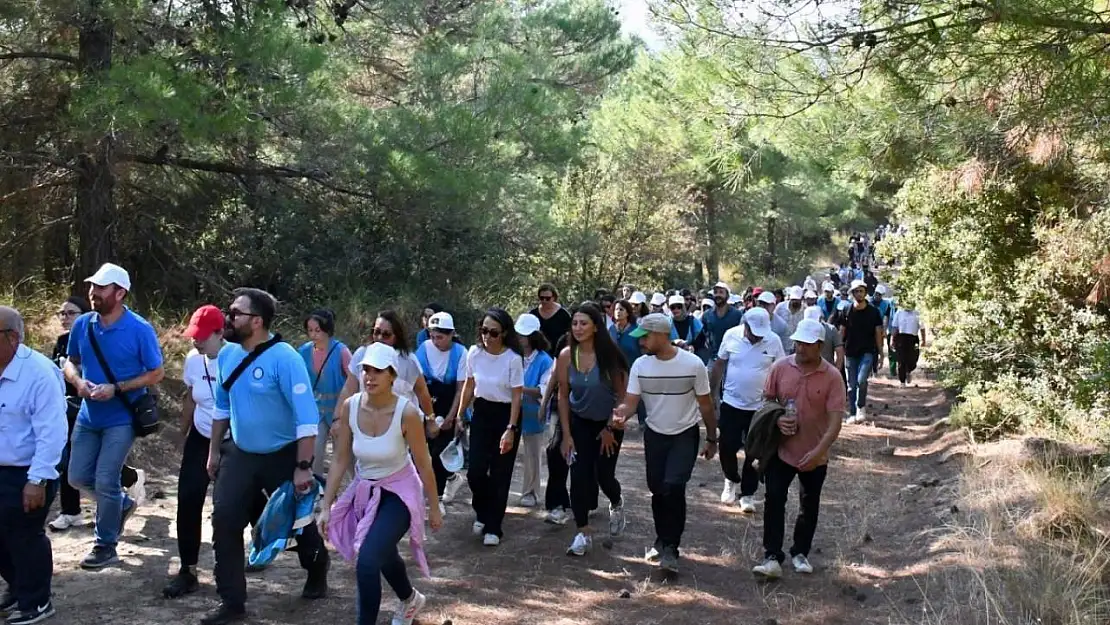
873, 551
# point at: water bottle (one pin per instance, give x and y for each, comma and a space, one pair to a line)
439, 422
791, 408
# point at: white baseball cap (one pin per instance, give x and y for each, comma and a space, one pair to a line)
795, 292
441, 321
722, 285
734, 299
379, 356
858, 284
758, 321
881, 289
527, 324
707, 302
637, 298
767, 297
676, 300
809, 331
810, 295
659, 299
812, 312
828, 287
111, 274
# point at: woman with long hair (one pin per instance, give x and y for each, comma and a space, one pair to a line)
327, 360
593, 378
443, 362
495, 384
384, 433
625, 315
538, 365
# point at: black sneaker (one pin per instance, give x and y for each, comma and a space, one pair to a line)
125, 514
36, 615
223, 615
316, 586
100, 557
668, 560
183, 583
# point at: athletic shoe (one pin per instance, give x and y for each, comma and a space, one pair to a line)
442, 510
668, 561
770, 569
223, 615
64, 522
478, 528
747, 505
100, 557
617, 520
581, 545
316, 586
138, 489
182, 584
558, 516
451, 488
528, 500
408, 609
801, 564
126, 513
652, 556
861, 414
728, 495
491, 540
30, 617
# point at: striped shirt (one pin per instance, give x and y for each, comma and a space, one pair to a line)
669, 390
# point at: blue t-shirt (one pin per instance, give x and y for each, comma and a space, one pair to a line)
630, 345
717, 326
271, 404
131, 348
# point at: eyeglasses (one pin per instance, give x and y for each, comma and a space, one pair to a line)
547, 298
233, 314
490, 332
382, 334
66, 314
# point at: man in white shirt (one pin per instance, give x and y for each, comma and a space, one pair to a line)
675, 388
748, 351
906, 327
33, 430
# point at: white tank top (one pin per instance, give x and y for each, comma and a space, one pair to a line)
378, 456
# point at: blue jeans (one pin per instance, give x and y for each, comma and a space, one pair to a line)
378, 557
95, 459
859, 369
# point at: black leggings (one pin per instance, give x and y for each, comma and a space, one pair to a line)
592, 469
435, 448
192, 490
556, 495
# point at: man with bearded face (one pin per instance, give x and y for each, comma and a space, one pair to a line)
103, 434
721, 319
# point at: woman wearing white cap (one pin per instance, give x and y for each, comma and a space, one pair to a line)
384, 434
658, 303
443, 362
538, 365
639, 301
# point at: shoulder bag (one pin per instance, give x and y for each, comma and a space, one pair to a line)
144, 410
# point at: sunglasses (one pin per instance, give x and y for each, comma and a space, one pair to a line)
547, 298
233, 314
382, 334
490, 332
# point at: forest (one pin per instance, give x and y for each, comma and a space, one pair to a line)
368, 152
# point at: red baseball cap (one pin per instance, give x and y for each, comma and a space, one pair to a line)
756, 291
204, 322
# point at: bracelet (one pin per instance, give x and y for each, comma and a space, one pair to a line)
711, 440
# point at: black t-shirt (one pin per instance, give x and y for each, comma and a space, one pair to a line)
554, 327
871, 281
860, 336
682, 328
61, 352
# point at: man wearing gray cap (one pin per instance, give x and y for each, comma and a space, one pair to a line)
674, 385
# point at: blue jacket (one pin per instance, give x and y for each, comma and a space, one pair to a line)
285, 516
530, 421
330, 381
629, 344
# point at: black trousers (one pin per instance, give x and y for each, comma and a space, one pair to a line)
734, 431
70, 497
908, 350
778, 476
556, 494
241, 478
669, 460
491, 472
592, 469
435, 448
26, 562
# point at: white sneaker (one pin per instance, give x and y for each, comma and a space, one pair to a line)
770, 569
581, 545
408, 609
491, 540
728, 495
617, 520
478, 528
65, 521
138, 489
652, 556
903, 385
747, 505
451, 488
442, 510
801, 564
558, 516
528, 500
861, 414
852, 419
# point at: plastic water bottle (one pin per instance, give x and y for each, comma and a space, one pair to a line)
791, 408
439, 422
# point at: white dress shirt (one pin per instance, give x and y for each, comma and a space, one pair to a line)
33, 425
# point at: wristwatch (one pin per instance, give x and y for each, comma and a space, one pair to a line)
511, 427
36, 482
305, 465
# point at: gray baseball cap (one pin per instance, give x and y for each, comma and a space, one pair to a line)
655, 322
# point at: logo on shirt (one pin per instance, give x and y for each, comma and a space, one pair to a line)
300, 389
257, 373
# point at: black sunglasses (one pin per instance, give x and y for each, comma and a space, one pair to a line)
490, 332
234, 314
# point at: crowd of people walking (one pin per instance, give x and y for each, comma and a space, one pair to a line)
770, 374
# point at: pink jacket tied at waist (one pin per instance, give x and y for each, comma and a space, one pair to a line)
354, 512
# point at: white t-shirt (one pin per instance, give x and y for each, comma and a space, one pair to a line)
669, 390
438, 361
907, 322
495, 377
202, 384
748, 367
408, 372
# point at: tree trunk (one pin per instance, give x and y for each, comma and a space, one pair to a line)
712, 261
769, 256
95, 210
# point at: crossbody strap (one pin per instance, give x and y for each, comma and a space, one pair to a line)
107, 370
323, 366
246, 362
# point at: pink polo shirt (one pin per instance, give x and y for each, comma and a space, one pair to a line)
815, 395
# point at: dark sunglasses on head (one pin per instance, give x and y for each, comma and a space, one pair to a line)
490, 332
382, 334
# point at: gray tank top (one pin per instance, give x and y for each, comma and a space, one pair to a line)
590, 397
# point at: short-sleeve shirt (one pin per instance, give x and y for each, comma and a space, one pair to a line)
832, 341
859, 338
131, 348
748, 367
553, 327
669, 390
200, 376
815, 395
408, 372
716, 326
495, 376
907, 322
